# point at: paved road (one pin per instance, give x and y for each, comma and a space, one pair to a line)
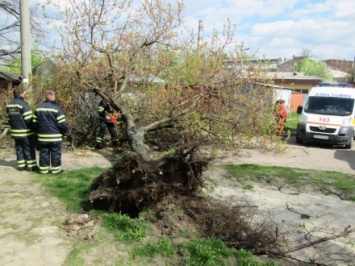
320, 157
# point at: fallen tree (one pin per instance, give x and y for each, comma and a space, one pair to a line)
174, 100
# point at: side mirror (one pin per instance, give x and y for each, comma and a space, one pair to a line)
299, 109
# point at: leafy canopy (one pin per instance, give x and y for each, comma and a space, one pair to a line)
314, 68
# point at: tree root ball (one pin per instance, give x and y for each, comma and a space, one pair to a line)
133, 184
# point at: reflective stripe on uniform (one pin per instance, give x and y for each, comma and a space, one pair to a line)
27, 115
49, 137
46, 110
21, 132
26, 130
21, 163
14, 105
44, 169
31, 163
61, 119
55, 170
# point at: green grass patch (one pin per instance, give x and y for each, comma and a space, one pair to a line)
124, 228
163, 247
74, 258
72, 187
326, 181
214, 252
245, 258
207, 252
292, 121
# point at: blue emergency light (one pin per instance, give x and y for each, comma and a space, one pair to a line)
327, 84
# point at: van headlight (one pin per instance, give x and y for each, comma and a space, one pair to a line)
347, 121
303, 119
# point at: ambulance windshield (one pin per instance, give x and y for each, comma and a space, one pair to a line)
329, 106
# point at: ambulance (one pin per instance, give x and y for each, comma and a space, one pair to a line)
328, 115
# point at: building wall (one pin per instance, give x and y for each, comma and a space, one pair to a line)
343, 65
297, 99
283, 94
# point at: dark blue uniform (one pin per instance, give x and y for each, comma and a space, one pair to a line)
20, 119
50, 126
104, 109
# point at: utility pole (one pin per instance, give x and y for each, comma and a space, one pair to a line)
200, 34
26, 68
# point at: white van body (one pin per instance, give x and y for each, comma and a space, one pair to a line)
328, 116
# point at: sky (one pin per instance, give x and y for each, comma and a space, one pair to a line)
282, 28
279, 28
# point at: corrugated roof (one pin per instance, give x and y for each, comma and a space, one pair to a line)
11, 77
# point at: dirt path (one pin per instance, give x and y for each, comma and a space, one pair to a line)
30, 232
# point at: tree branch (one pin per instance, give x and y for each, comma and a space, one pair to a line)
156, 124
346, 231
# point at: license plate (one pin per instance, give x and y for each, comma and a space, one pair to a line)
320, 137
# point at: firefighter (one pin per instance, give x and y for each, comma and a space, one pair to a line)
108, 120
50, 126
280, 114
20, 118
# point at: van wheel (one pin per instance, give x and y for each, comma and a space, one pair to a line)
349, 145
299, 140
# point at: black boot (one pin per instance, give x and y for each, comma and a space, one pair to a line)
98, 146
33, 169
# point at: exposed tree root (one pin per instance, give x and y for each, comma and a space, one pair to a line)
134, 184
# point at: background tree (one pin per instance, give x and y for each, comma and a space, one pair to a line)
350, 77
306, 52
10, 29
314, 68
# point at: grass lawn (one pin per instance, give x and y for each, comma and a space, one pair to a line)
291, 122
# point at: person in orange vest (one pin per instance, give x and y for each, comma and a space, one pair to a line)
280, 114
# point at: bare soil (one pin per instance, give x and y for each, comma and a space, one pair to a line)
31, 231
31, 226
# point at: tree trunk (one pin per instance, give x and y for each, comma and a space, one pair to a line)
136, 137
135, 134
